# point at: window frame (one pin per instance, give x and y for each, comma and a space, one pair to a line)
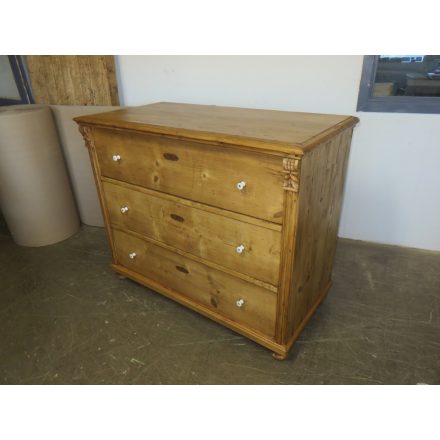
21, 81
397, 104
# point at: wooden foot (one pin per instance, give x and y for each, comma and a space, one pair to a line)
279, 357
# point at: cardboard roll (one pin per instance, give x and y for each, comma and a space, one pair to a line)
78, 161
35, 193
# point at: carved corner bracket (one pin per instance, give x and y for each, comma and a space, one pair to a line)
86, 133
291, 170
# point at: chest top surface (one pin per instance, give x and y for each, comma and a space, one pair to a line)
268, 130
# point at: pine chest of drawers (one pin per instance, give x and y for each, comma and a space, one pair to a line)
231, 212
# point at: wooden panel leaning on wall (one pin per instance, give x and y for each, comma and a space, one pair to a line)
73, 79
196, 161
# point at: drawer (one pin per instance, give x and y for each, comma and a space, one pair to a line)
196, 171
244, 247
214, 289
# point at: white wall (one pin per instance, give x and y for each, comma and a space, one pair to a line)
393, 184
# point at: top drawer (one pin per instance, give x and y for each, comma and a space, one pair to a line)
233, 179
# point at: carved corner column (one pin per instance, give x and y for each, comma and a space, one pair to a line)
291, 184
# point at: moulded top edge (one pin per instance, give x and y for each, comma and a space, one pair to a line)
268, 130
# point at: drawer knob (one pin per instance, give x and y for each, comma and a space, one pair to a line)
124, 209
132, 255
116, 158
240, 302
239, 249
241, 185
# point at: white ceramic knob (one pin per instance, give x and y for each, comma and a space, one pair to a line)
132, 255
116, 157
240, 302
124, 209
240, 249
241, 185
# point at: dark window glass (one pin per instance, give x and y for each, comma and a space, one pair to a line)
411, 75
400, 83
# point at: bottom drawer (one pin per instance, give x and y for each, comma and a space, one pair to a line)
243, 302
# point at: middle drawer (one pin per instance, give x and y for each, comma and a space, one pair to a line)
243, 247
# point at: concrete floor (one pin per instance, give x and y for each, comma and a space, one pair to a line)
66, 318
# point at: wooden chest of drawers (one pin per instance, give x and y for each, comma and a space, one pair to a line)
231, 212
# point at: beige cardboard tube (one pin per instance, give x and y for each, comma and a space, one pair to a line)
78, 161
35, 194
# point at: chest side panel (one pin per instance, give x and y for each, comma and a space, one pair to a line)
323, 172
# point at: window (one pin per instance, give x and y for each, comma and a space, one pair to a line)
400, 83
14, 87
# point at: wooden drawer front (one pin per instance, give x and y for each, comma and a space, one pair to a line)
212, 288
199, 172
207, 235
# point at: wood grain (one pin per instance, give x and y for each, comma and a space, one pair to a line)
279, 132
73, 79
287, 262
209, 287
209, 263
321, 189
207, 174
185, 213
308, 316
175, 295
204, 234
192, 204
